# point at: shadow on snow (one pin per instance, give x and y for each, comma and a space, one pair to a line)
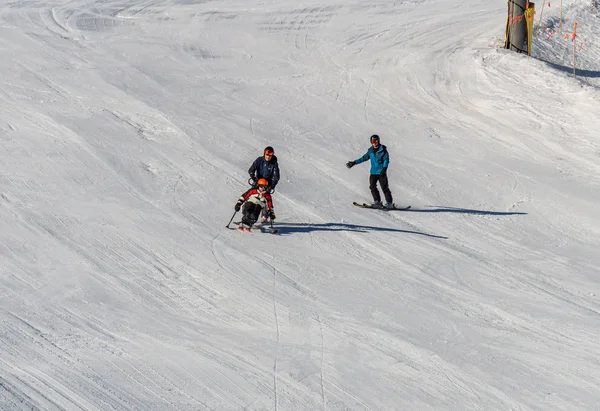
288, 228
443, 209
578, 72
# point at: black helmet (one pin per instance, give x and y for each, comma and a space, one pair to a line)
374, 137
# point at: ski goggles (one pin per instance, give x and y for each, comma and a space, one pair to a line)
269, 153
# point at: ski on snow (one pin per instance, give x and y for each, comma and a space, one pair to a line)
365, 205
262, 228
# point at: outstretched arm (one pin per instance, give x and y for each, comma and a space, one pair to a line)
363, 158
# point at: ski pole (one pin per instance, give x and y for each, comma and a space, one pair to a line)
234, 213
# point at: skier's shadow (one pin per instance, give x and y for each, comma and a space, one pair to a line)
289, 228
444, 209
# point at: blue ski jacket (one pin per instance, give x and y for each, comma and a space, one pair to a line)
262, 168
380, 159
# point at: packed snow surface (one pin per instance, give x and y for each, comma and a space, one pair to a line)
127, 129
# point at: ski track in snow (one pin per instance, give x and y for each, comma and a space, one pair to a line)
127, 131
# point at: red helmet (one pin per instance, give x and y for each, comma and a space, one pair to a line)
262, 182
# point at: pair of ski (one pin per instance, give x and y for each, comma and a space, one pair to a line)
261, 227
365, 205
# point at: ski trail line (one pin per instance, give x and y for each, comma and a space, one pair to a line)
322, 360
277, 348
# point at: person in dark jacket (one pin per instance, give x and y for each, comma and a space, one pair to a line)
380, 160
266, 167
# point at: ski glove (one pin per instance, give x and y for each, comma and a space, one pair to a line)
238, 205
350, 164
383, 172
272, 215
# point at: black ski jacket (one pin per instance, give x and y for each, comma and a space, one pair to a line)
262, 168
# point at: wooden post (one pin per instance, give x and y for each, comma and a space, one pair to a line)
542, 15
560, 21
575, 75
573, 37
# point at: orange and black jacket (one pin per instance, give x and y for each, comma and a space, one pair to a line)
263, 199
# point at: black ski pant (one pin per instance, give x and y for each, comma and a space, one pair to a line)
250, 212
383, 182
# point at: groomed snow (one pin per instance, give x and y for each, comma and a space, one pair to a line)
127, 128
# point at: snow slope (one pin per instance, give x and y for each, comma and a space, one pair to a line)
127, 129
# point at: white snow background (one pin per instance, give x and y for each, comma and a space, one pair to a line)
127, 128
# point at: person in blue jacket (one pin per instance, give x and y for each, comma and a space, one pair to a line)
380, 160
